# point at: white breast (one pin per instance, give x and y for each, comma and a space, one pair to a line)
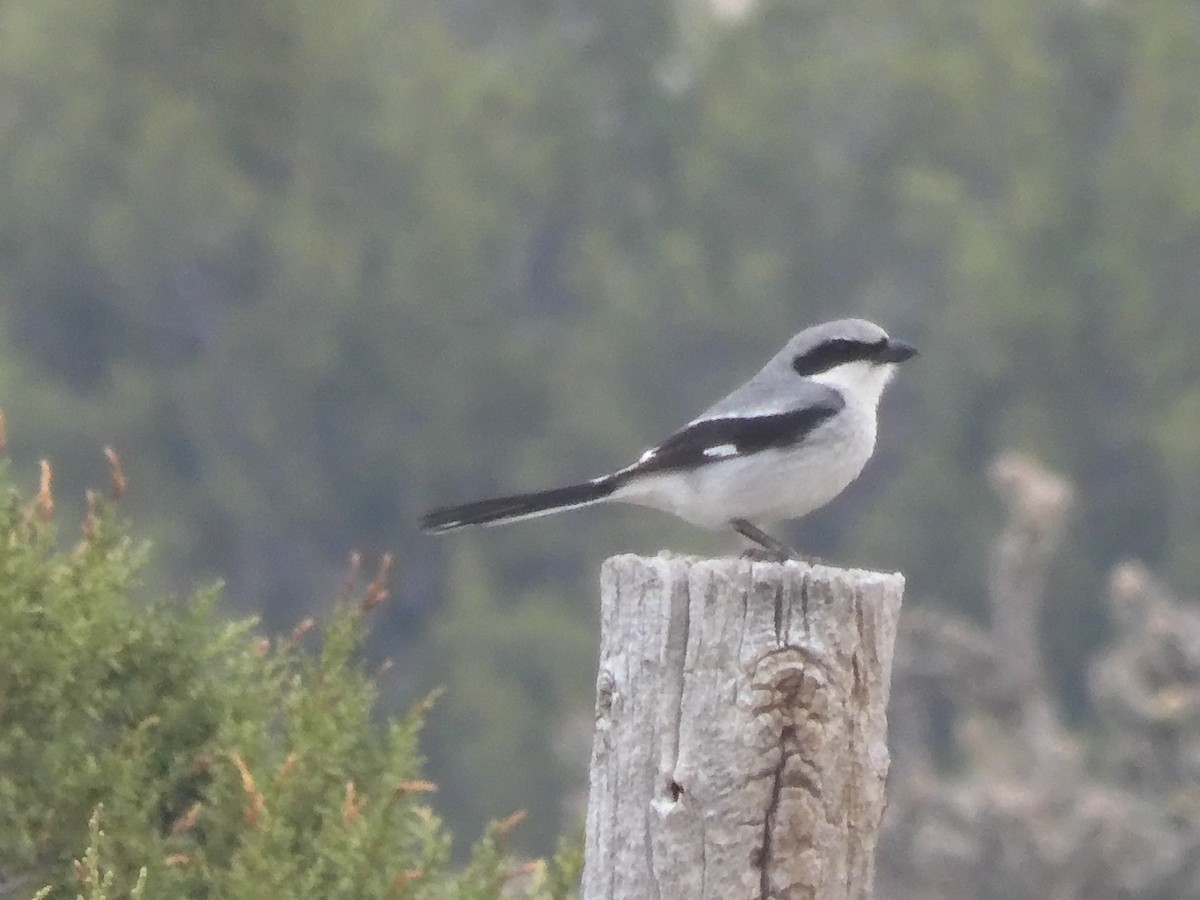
765, 487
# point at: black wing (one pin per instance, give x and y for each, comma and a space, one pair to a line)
712, 440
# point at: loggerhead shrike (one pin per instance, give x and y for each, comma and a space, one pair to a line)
780, 446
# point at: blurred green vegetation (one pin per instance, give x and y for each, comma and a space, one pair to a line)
150, 749
314, 268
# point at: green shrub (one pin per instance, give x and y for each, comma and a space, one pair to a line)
210, 761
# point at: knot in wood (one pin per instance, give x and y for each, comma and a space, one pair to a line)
606, 689
789, 681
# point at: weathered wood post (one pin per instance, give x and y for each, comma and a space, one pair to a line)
741, 735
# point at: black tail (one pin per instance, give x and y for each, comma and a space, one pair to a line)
522, 506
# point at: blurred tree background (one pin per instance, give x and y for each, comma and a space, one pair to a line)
312, 268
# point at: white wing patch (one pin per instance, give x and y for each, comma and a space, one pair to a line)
648, 455
720, 451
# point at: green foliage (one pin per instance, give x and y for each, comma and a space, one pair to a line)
97, 880
484, 659
316, 268
209, 761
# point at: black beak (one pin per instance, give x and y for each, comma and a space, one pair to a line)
896, 352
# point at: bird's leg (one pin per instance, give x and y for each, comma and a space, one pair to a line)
772, 550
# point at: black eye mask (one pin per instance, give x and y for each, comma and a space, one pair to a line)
837, 352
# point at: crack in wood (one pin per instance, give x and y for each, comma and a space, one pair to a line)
779, 611
766, 857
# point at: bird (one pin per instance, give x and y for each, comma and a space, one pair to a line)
780, 446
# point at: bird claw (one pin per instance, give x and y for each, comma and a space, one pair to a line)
769, 549
762, 554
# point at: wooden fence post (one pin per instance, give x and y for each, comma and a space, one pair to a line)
741, 733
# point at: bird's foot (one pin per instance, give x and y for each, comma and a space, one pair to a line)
769, 549
762, 554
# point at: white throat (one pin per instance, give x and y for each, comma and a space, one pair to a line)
859, 382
